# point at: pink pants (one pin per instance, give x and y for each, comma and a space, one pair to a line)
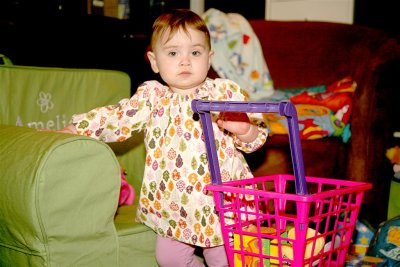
172, 253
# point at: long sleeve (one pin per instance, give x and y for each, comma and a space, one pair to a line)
117, 122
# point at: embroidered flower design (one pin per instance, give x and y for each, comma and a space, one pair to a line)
44, 102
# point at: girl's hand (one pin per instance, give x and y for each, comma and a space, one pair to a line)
238, 124
70, 128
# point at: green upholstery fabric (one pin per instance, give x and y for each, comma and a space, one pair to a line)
47, 215
38, 97
59, 196
47, 97
137, 252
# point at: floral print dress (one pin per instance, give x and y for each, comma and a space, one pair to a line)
173, 200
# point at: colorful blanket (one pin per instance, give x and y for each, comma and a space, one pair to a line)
238, 53
322, 111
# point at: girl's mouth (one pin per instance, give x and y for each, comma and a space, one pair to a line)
185, 73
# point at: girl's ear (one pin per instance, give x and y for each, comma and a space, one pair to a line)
153, 61
210, 56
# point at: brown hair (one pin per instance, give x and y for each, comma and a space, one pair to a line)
175, 20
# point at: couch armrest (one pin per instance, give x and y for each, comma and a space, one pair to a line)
58, 197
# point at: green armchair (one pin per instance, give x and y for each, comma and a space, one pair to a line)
59, 192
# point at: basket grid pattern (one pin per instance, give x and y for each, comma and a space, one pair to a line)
265, 203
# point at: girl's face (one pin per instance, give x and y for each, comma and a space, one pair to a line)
183, 61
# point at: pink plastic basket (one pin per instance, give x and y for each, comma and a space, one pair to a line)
281, 220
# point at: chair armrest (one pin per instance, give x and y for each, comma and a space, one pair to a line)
58, 197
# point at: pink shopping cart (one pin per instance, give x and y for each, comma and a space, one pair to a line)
281, 220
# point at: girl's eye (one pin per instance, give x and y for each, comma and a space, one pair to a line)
172, 53
196, 53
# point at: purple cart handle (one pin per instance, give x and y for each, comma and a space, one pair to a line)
284, 108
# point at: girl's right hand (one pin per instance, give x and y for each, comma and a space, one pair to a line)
70, 128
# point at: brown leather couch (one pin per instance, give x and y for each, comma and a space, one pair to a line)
304, 54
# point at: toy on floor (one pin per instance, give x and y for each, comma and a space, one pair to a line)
362, 237
127, 193
364, 261
386, 243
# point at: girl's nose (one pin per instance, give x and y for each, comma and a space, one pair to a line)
185, 61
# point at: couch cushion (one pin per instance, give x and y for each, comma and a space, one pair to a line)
58, 197
136, 240
40, 97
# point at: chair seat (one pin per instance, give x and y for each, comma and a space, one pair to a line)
136, 240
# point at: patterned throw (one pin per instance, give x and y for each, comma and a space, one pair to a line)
238, 53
